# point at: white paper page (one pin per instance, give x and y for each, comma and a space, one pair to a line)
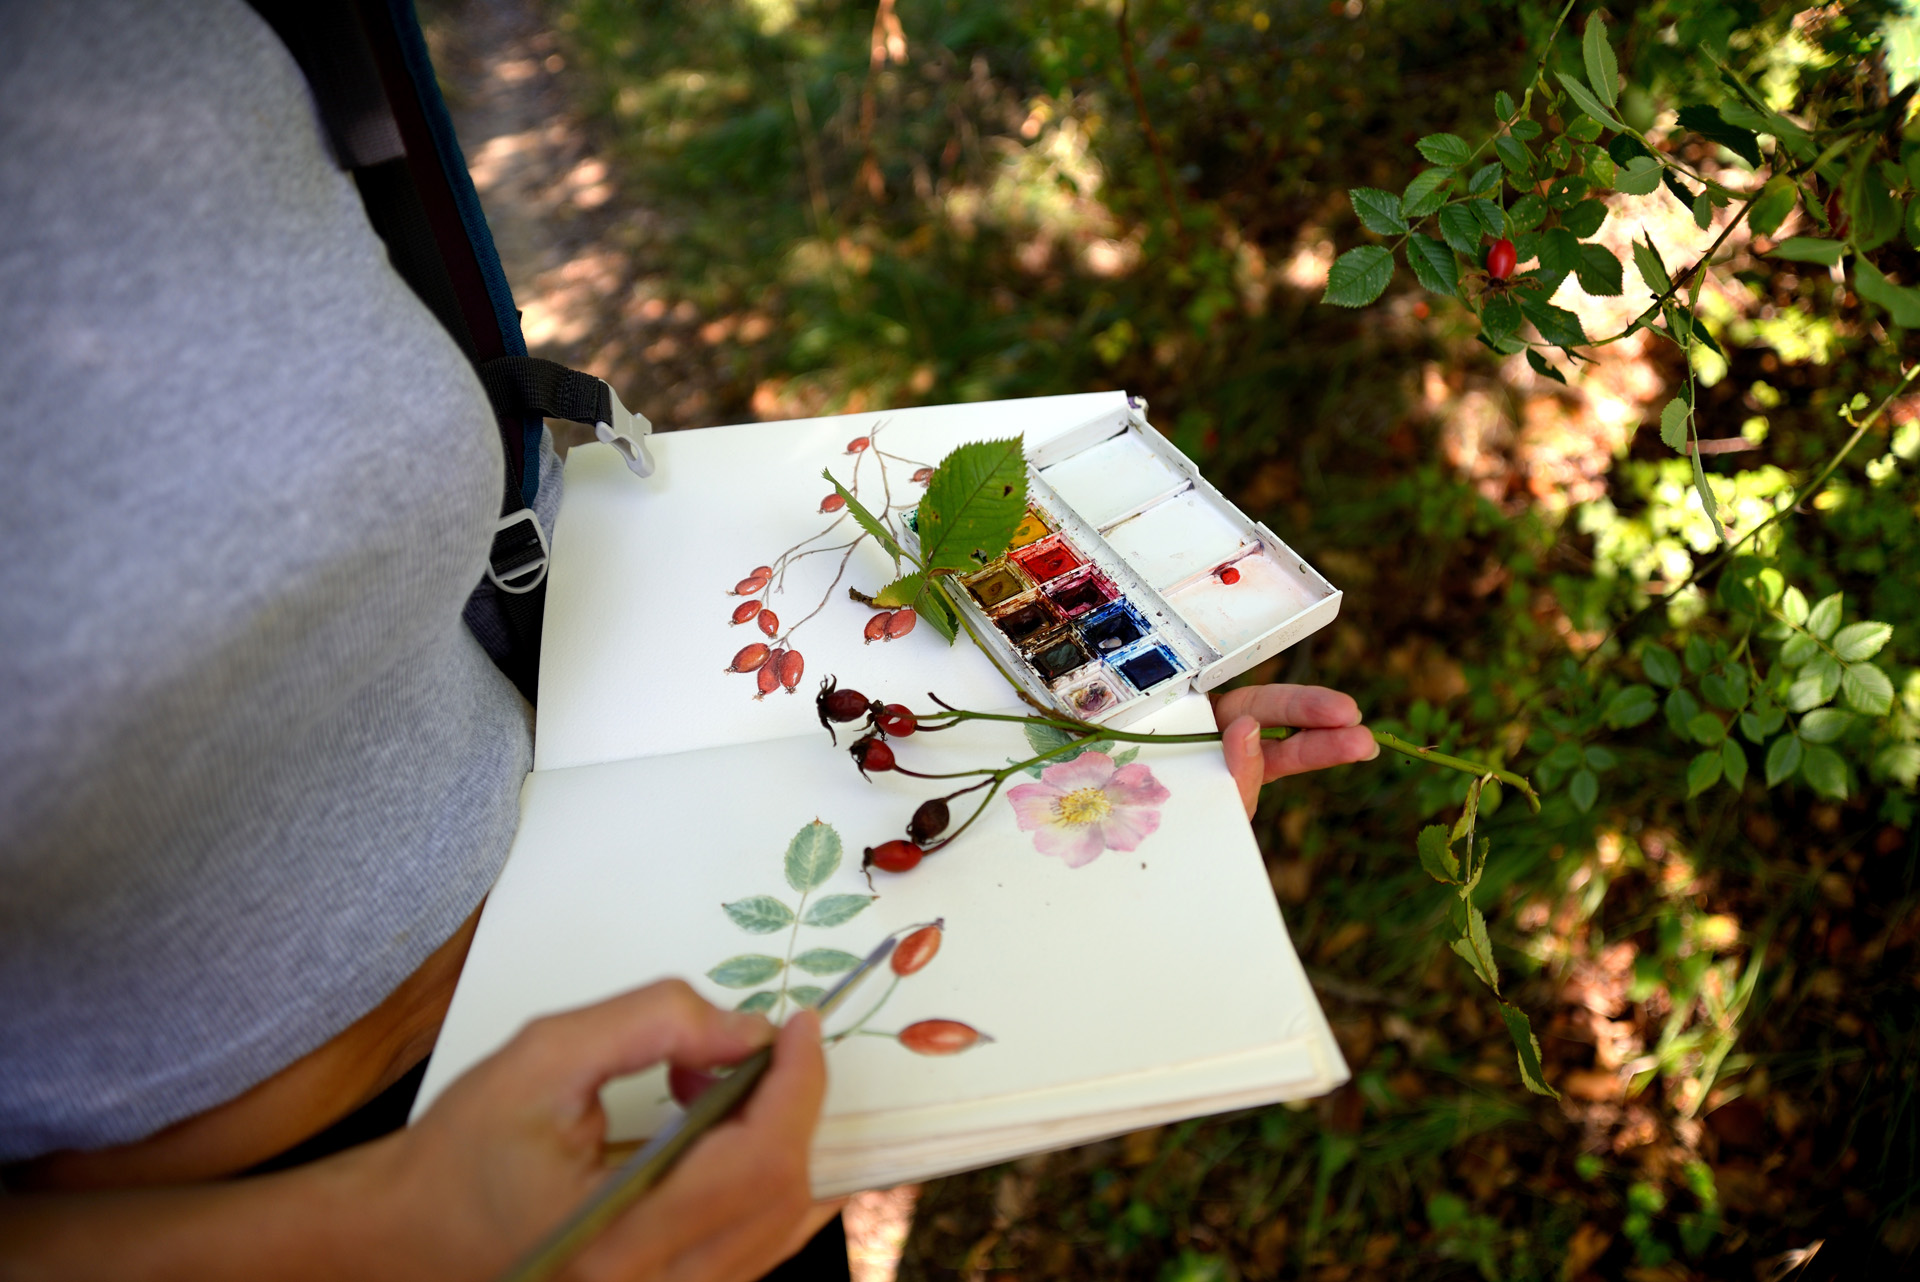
638, 632
1169, 954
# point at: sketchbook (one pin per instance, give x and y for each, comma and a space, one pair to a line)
1099, 952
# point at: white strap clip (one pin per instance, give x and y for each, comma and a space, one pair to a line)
627, 433
534, 568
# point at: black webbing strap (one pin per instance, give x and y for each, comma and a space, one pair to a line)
528, 385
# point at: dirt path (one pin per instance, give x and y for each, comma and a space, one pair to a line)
582, 249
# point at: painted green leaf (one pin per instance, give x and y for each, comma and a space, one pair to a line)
746, 970
1585, 218
825, 961
1783, 758
758, 1003
1477, 950
806, 994
1734, 759
1859, 641
1126, 755
1044, 738
975, 499
1557, 325
1583, 789
1899, 301
1425, 193
1640, 176
1776, 201
812, 856
1436, 854
866, 520
835, 910
1461, 228
1358, 277
1434, 265
1705, 728
904, 590
1827, 773
1629, 707
1378, 211
759, 915
1603, 72
1526, 1045
1704, 771
1539, 365
1660, 665
1868, 689
1598, 271
1808, 249
1824, 619
1584, 98
1445, 149
1824, 725
1652, 270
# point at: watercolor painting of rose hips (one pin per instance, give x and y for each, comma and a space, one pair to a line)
775, 663
812, 857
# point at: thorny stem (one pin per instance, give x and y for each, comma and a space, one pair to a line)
1431, 757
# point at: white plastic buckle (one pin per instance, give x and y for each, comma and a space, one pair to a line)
627, 433
537, 570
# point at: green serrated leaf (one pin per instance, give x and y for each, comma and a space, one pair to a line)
1485, 180
1378, 211
1704, 771
825, 961
1673, 424
1681, 707
1874, 213
1557, 325
1859, 641
1514, 155
1793, 604
759, 1003
1598, 271
1584, 98
1808, 249
1867, 689
1540, 367
1758, 725
866, 520
940, 613
1826, 771
1526, 213
1461, 229
1445, 149
1559, 255
759, 915
1126, 755
1710, 124
1434, 265
1638, 176
1632, 706
812, 856
1824, 725
1436, 854
1702, 211
1358, 277
1477, 950
1503, 105
1776, 201
1044, 738
1583, 790
1652, 271
1603, 72
905, 590
805, 995
1660, 665
746, 970
1783, 758
1708, 500
836, 910
1567, 192
975, 499
1900, 302
1733, 760
1526, 130
1798, 648
1527, 1048
1585, 218
1824, 619
1600, 166
1705, 728
1500, 316
1425, 193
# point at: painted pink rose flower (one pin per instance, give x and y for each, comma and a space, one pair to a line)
1083, 807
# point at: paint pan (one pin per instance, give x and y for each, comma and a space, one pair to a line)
1114, 479
998, 582
1025, 617
1174, 541
1056, 654
1048, 559
1091, 690
1230, 615
1113, 627
1032, 528
1080, 591
1148, 664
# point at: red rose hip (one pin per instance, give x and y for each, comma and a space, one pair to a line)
770, 623
870, 753
768, 679
1501, 259
876, 629
761, 571
894, 856
923, 475
940, 1037
916, 950
750, 658
751, 584
858, 444
745, 611
832, 503
897, 719
901, 623
792, 666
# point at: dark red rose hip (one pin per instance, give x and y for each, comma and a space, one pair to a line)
835, 704
929, 821
916, 950
750, 658
894, 856
871, 754
940, 1037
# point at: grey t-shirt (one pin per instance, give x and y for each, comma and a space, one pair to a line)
253, 768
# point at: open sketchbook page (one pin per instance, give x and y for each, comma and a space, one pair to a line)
1155, 972
638, 632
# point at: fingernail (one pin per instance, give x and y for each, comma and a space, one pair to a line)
1253, 742
1373, 750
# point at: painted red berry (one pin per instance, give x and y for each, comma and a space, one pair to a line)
769, 677
688, 1084
870, 753
894, 856
832, 503
792, 666
770, 623
900, 624
751, 584
1229, 574
857, 444
923, 475
761, 571
940, 1037
876, 629
1501, 259
896, 719
929, 821
750, 658
746, 610
917, 949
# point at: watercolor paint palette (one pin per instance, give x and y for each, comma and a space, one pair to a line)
1131, 580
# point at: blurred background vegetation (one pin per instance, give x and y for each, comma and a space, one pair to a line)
775, 208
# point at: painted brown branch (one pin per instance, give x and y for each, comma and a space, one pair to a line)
1146, 127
